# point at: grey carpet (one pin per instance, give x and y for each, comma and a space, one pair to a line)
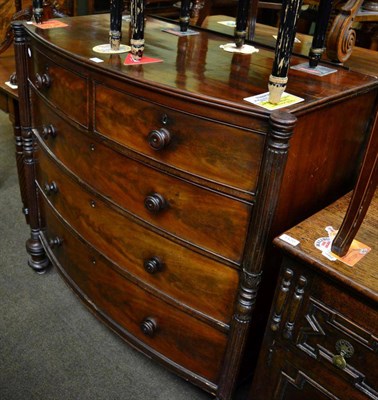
51, 347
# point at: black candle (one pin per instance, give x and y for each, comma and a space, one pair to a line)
241, 22
137, 26
184, 15
38, 11
115, 34
284, 46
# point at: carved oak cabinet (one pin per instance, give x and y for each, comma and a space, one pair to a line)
321, 341
154, 189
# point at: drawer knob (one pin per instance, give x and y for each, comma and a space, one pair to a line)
51, 188
155, 203
158, 139
42, 81
153, 265
345, 350
55, 242
48, 130
149, 326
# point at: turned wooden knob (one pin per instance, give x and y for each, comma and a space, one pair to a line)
158, 139
149, 326
55, 242
155, 203
42, 81
50, 188
153, 265
47, 131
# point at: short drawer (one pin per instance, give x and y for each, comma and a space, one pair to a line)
334, 328
346, 340
211, 150
186, 276
149, 323
65, 89
205, 218
292, 377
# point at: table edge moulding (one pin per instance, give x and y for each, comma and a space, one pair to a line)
49, 60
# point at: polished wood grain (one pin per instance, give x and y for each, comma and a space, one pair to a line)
227, 176
202, 81
187, 277
65, 89
186, 211
118, 299
196, 143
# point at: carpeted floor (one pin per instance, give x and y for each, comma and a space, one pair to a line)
51, 347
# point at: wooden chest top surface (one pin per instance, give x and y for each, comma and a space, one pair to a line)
195, 66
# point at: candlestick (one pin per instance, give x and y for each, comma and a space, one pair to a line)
241, 22
184, 15
137, 26
115, 34
38, 11
317, 47
284, 46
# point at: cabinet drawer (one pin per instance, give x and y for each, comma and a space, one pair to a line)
213, 151
138, 316
186, 276
295, 378
215, 222
65, 89
341, 332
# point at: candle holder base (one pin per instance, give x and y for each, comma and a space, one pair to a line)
245, 49
106, 49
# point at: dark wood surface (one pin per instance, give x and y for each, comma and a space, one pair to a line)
205, 80
363, 277
362, 196
222, 178
319, 303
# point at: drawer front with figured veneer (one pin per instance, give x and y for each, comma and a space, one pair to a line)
152, 323
214, 222
171, 269
63, 88
219, 153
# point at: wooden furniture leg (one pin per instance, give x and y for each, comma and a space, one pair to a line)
362, 196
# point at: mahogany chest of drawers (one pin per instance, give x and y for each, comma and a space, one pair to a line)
154, 189
321, 341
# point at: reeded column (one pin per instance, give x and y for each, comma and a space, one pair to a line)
38, 260
275, 156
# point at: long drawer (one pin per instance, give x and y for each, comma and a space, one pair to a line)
220, 153
188, 277
217, 223
144, 319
